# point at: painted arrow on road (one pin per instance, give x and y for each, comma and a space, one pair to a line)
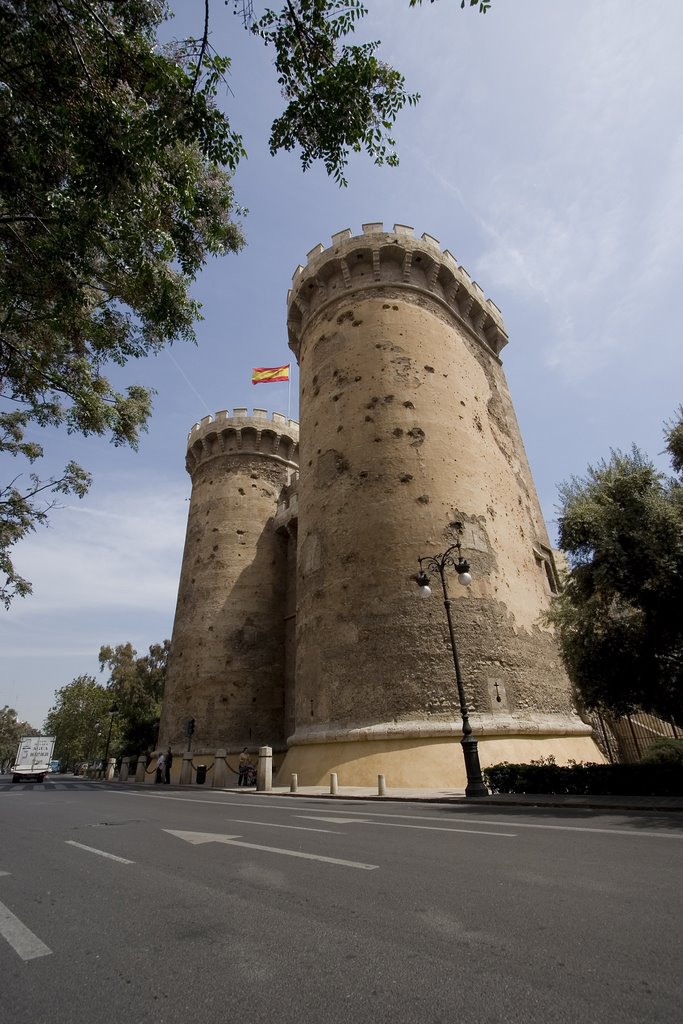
20, 938
198, 838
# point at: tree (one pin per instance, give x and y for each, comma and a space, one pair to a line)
136, 684
80, 720
115, 187
113, 191
11, 731
620, 615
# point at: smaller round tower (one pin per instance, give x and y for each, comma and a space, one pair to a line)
226, 667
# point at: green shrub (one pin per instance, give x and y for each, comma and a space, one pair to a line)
664, 751
544, 776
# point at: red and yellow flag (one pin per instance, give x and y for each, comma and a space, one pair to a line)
269, 374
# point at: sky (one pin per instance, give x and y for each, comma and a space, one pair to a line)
546, 154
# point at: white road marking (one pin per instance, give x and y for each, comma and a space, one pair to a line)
197, 838
100, 853
192, 800
524, 824
425, 828
423, 817
298, 828
331, 821
22, 941
4, 873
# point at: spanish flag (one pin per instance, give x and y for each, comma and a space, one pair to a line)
269, 374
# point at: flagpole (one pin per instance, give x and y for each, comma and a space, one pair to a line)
289, 388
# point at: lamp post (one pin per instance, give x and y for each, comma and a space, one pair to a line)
441, 563
113, 712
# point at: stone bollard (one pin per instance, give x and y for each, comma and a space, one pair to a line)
219, 769
141, 769
125, 768
110, 769
264, 770
186, 769
381, 786
333, 783
294, 783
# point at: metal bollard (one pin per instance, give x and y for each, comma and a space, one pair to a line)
381, 786
333, 783
294, 784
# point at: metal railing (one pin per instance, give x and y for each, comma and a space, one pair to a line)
624, 739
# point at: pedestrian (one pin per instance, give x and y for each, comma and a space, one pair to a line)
244, 766
159, 777
167, 766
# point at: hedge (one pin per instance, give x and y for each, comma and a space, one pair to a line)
545, 776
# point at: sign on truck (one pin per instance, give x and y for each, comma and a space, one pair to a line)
32, 762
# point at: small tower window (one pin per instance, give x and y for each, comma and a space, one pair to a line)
545, 560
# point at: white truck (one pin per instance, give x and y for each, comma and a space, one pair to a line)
32, 762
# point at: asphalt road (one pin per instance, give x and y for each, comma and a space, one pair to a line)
123, 905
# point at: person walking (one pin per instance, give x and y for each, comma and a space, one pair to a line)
159, 777
244, 764
168, 761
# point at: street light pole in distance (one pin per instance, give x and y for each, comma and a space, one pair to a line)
440, 564
113, 712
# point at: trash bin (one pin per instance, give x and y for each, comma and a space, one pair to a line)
201, 774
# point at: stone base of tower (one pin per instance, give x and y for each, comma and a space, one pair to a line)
410, 761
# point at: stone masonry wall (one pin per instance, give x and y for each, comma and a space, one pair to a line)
407, 427
227, 663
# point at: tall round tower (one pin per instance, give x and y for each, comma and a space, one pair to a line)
407, 427
227, 663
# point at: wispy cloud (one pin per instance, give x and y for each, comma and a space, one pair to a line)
121, 550
105, 572
595, 138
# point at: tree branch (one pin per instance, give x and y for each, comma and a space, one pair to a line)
202, 51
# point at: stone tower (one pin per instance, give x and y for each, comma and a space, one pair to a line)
227, 665
407, 427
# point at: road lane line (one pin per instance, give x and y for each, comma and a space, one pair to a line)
244, 804
21, 939
298, 828
424, 817
332, 821
517, 824
100, 853
236, 803
424, 828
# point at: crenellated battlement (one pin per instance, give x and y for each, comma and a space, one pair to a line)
257, 433
395, 259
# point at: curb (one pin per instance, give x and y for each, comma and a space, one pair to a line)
538, 802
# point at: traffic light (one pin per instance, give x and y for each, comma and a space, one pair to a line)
188, 726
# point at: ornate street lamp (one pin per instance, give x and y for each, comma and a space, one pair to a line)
452, 559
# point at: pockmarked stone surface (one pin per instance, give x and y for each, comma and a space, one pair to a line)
227, 662
408, 442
